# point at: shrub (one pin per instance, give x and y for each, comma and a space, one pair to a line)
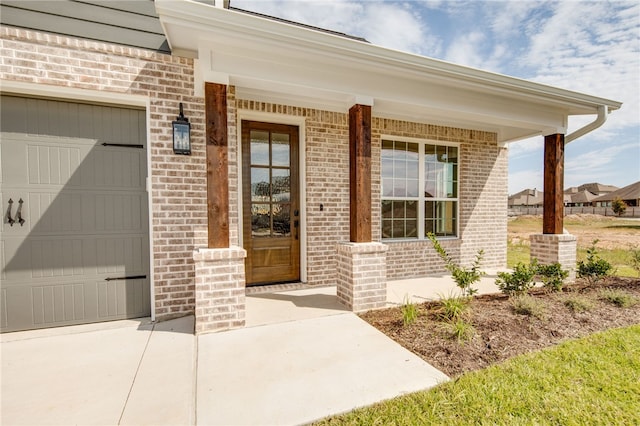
618, 206
463, 277
552, 276
519, 281
635, 258
594, 268
461, 330
618, 298
453, 307
524, 304
578, 304
409, 311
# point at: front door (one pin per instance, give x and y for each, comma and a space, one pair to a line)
271, 217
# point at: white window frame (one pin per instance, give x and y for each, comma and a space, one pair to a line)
421, 199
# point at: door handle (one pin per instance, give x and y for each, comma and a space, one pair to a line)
8, 217
19, 218
296, 224
130, 277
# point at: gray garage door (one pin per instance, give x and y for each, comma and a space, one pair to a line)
74, 247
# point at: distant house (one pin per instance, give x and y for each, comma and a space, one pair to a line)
575, 196
581, 198
597, 188
526, 198
630, 194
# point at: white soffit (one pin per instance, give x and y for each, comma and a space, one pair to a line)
272, 61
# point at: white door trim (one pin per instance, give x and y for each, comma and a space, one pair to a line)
83, 95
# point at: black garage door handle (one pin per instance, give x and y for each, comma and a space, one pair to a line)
130, 277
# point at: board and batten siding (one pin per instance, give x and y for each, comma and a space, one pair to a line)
73, 177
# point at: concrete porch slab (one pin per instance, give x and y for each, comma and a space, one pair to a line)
293, 305
299, 371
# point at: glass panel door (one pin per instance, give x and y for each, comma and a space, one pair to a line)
270, 200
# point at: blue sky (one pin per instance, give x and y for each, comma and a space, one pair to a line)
587, 46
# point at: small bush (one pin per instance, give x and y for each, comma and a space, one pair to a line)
618, 298
461, 330
635, 258
453, 308
519, 281
594, 268
463, 277
618, 206
578, 304
552, 276
409, 311
524, 304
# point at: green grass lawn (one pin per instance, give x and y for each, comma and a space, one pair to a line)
620, 259
594, 380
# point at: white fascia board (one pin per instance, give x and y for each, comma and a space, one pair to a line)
337, 87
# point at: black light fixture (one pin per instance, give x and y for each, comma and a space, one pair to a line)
181, 134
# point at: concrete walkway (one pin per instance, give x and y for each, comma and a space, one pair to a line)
301, 357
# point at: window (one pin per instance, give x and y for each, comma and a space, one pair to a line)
419, 189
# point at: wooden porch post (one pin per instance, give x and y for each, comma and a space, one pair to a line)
360, 173
553, 210
217, 165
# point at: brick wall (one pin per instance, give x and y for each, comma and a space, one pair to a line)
483, 193
361, 275
552, 248
178, 183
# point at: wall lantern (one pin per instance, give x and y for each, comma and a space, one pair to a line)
181, 134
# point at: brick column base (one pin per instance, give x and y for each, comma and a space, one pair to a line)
362, 275
220, 289
552, 248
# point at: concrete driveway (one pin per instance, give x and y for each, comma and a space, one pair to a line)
303, 357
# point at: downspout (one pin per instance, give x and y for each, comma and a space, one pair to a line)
599, 121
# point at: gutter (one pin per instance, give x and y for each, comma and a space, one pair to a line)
599, 121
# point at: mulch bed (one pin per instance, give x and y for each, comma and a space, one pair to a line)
500, 333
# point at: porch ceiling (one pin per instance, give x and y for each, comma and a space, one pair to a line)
277, 62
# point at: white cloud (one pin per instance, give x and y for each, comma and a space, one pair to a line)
466, 50
598, 160
592, 47
525, 179
397, 28
525, 147
386, 24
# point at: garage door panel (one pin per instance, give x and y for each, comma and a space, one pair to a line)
86, 213
53, 165
32, 160
73, 303
81, 212
58, 303
42, 258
